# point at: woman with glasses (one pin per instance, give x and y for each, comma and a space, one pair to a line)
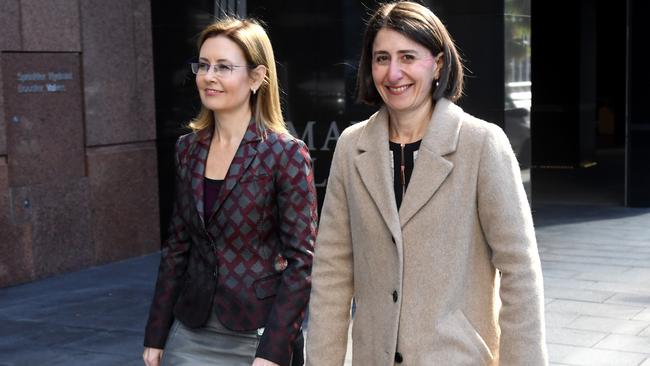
425, 221
234, 277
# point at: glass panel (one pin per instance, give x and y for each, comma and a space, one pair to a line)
518, 94
317, 46
175, 26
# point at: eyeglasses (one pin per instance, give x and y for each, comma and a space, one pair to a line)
220, 69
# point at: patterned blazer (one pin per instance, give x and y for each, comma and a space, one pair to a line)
251, 260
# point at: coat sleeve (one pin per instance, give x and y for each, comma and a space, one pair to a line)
507, 223
173, 263
332, 287
298, 217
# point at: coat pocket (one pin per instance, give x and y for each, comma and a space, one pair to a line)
267, 286
458, 343
473, 336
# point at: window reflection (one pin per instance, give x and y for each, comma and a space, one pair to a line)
518, 95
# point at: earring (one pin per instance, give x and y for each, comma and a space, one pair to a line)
253, 90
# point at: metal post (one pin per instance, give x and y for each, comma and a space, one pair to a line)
233, 8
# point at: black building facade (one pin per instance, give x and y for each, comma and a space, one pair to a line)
564, 80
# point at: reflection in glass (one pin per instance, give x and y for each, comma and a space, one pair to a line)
316, 46
518, 94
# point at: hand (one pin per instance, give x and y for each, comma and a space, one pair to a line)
262, 362
152, 356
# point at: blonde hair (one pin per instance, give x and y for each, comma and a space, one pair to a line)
249, 35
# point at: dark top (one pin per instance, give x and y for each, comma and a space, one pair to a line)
211, 189
403, 160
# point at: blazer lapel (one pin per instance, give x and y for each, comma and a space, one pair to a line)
431, 167
198, 156
241, 161
373, 165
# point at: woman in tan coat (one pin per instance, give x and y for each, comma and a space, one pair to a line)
425, 222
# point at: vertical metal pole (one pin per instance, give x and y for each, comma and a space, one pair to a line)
241, 8
628, 18
234, 8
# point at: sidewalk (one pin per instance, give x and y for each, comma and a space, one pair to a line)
596, 263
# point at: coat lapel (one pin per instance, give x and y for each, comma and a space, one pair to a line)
198, 156
431, 167
373, 165
241, 161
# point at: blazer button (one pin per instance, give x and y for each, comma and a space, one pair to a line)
394, 296
398, 357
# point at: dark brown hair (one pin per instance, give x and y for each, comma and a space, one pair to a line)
419, 24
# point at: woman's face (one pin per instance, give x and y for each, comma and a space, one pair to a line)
226, 85
403, 71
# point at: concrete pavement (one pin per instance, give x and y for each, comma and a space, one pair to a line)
596, 263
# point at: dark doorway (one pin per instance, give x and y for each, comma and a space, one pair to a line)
578, 109
175, 27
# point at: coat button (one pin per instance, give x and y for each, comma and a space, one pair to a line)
394, 296
398, 357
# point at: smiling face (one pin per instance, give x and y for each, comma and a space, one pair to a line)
222, 90
403, 71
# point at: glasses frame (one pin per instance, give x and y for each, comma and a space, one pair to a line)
194, 67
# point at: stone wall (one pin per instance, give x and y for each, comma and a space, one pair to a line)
78, 172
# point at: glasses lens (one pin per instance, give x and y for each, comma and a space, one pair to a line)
195, 67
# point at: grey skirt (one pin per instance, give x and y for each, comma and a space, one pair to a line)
212, 345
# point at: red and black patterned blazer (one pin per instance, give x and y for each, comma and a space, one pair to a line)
251, 261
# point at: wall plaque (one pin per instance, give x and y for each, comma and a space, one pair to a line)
43, 116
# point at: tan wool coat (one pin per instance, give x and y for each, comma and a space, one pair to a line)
451, 279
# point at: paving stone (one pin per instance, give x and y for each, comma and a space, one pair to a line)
635, 275
588, 308
549, 256
65, 357
559, 273
575, 294
644, 315
585, 356
630, 299
601, 254
569, 283
573, 337
558, 352
90, 317
608, 325
638, 288
112, 301
626, 343
595, 357
645, 333
15, 334
122, 343
583, 267
559, 320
